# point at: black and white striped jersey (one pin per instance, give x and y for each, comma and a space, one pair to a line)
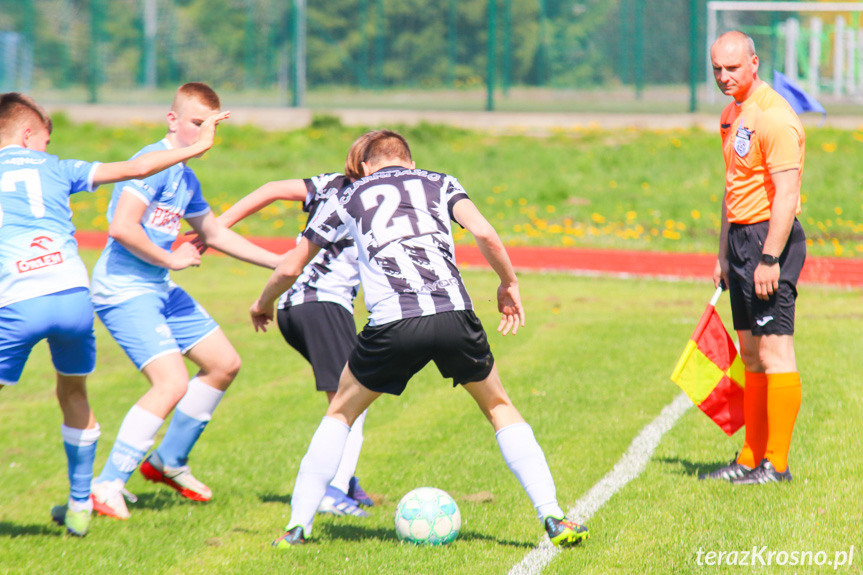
333, 274
401, 220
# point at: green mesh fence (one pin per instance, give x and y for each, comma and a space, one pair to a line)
568, 55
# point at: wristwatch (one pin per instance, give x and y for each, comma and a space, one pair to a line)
769, 260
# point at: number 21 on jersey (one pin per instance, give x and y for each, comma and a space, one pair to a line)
386, 226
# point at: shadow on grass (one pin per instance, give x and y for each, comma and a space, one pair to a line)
693, 468
360, 533
13, 530
273, 498
161, 499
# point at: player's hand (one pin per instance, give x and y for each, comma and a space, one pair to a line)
766, 280
261, 315
720, 272
509, 305
184, 256
197, 241
208, 130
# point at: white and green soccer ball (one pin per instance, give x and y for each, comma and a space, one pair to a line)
427, 516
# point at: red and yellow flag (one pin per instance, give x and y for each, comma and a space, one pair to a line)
711, 372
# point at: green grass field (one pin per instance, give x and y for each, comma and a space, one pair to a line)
627, 189
589, 371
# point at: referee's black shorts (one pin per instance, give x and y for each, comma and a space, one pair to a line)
776, 315
325, 334
387, 356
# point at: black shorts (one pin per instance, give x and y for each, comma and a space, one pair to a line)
776, 315
387, 356
325, 334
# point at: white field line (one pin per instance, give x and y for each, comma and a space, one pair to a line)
625, 470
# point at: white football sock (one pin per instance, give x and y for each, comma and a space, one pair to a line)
139, 428
348, 464
525, 459
200, 400
316, 471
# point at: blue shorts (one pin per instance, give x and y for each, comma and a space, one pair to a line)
155, 324
64, 318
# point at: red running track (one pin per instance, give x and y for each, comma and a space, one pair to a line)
835, 271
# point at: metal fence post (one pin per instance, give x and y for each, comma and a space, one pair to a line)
507, 46
693, 54
451, 37
639, 48
492, 24
299, 53
96, 30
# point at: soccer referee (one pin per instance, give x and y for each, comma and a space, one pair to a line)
762, 248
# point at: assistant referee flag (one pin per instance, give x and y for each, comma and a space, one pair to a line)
711, 373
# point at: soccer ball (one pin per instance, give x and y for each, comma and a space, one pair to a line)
427, 516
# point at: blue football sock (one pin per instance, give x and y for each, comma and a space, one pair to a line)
191, 416
122, 462
133, 441
80, 445
182, 434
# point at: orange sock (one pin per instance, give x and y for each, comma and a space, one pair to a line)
755, 419
784, 394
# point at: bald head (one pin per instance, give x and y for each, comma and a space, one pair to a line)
735, 65
736, 40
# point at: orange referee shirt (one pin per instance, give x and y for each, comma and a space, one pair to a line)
759, 136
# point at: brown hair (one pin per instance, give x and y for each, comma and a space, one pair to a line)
16, 110
386, 145
196, 91
354, 161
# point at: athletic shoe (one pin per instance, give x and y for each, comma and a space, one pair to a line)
563, 532
336, 502
764, 472
358, 494
77, 522
109, 498
292, 537
178, 478
729, 472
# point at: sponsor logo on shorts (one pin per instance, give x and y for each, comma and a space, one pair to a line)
434, 286
764, 320
38, 263
164, 332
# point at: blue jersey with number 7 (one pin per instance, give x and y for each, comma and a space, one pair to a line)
38, 251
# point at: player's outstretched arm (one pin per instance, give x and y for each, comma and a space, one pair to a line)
285, 190
494, 252
213, 234
126, 229
154, 162
283, 277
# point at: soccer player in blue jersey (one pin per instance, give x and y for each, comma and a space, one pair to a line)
420, 311
316, 316
156, 322
43, 282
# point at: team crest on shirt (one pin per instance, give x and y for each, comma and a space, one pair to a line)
742, 141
